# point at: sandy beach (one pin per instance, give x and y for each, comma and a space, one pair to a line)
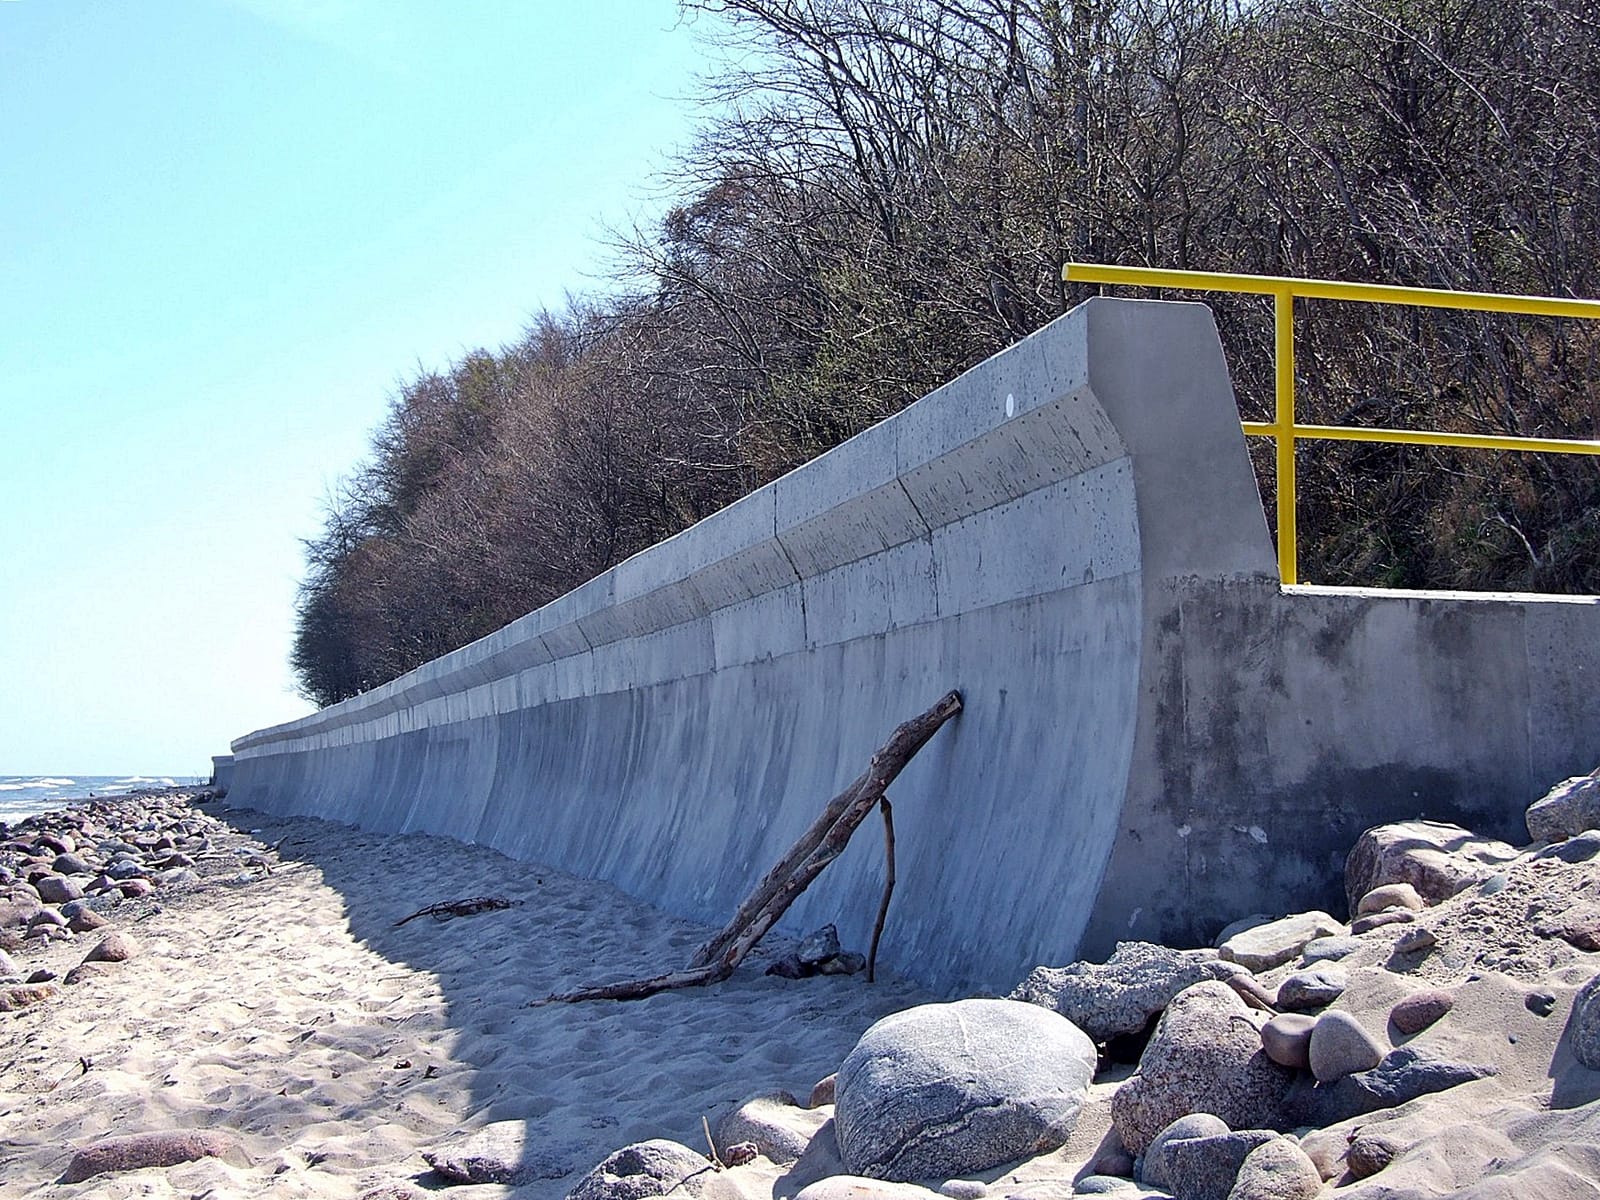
285, 1008
267, 998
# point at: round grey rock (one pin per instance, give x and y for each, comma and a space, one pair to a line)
1567, 809
644, 1169
964, 1189
1340, 1047
952, 1089
1155, 1168
58, 889
1276, 1170
71, 864
1205, 1168
1287, 1040
1315, 988
1100, 1185
1328, 949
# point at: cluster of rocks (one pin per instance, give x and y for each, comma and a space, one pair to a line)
818, 953
1297, 1056
68, 873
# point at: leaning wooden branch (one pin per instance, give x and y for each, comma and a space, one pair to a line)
805, 860
887, 810
446, 909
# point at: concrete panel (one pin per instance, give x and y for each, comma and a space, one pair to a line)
861, 526
893, 588
1060, 536
765, 626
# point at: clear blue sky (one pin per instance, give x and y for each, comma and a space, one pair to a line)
228, 228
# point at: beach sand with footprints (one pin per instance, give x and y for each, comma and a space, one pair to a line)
273, 999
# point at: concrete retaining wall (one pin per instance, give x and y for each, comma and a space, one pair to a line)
1156, 736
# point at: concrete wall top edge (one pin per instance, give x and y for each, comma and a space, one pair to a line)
856, 475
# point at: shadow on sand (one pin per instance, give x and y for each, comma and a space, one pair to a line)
581, 1079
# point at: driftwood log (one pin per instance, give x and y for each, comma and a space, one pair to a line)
823, 842
446, 909
887, 810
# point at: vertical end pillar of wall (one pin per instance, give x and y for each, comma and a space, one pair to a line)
1158, 370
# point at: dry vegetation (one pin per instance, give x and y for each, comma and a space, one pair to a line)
887, 196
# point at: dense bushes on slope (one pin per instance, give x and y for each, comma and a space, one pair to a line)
888, 197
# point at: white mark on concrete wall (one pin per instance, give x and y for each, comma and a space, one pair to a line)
1184, 830
1133, 917
1258, 834
1011, 405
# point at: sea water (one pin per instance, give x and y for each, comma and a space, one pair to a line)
23, 795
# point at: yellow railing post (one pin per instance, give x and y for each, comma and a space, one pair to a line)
1284, 428
1283, 339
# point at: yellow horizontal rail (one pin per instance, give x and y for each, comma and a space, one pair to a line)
1284, 428
1331, 289
1420, 437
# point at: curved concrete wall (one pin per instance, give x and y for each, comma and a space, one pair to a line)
1070, 534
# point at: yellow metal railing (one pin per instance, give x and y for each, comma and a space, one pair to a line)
1283, 427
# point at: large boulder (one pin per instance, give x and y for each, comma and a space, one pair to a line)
950, 1089
1437, 859
1205, 1056
1566, 810
1123, 993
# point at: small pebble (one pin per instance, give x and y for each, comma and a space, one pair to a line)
1393, 916
1389, 895
1340, 1047
1414, 940
1416, 1012
1287, 1040
1312, 989
1328, 949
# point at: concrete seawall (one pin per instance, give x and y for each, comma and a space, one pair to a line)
1156, 736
